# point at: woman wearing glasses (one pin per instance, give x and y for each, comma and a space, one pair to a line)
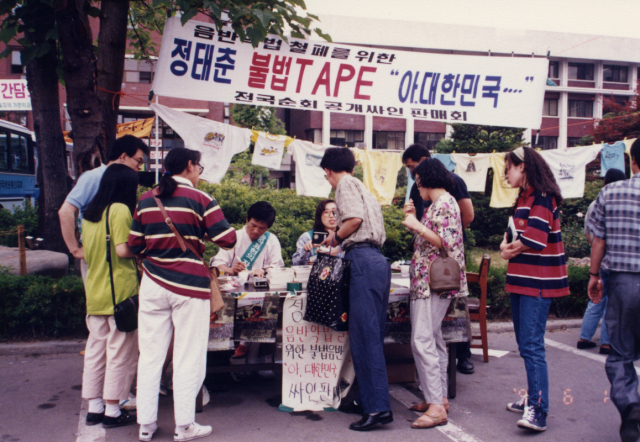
175, 292
325, 221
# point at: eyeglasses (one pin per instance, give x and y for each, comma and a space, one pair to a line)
329, 213
139, 160
200, 168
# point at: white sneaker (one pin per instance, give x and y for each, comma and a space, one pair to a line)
193, 431
146, 432
128, 403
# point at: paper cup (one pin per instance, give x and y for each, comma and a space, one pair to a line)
404, 271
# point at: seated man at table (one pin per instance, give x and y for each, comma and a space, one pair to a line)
256, 250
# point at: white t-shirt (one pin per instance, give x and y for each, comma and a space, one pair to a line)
310, 179
568, 167
472, 169
271, 255
218, 142
268, 150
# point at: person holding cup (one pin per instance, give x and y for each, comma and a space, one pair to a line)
325, 221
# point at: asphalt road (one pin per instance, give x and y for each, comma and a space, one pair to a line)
41, 402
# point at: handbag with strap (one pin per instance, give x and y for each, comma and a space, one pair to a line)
216, 295
444, 273
126, 312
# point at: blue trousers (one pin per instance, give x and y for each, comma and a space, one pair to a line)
368, 302
594, 313
530, 315
622, 316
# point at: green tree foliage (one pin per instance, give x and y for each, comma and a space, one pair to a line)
470, 138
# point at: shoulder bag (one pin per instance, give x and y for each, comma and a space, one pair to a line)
216, 295
126, 312
444, 273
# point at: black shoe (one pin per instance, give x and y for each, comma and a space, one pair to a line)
604, 350
124, 419
583, 345
465, 366
94, 418
630, 428
351, 408
369, 421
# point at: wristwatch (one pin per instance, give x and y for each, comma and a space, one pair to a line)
597, 275
337, 238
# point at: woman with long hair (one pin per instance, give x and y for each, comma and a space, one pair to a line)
110, 355
440, 228
325, 221
175, 291
536, 273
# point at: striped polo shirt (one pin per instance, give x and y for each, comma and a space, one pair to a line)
194, 213
541, 269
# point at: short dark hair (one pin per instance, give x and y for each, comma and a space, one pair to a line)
262, 211
431, 173
635, 151
129, 145
614, 175
317, 224
338, 159
415, 152
118, 185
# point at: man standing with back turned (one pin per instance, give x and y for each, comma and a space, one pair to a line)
361, 233
616, 248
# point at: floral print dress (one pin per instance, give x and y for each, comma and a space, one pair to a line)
442, 217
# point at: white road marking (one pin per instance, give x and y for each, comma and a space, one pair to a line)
575, 351
86, 433
452, 431
494, 353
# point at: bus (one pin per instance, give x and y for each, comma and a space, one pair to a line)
17, 166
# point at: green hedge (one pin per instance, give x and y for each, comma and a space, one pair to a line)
27, 215
40, 306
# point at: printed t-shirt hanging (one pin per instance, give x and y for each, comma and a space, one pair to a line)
612, 157
445, 159
268, 149
502, 194
380, 173
568, 167
218, 142
628, 143
310, 178
472, 169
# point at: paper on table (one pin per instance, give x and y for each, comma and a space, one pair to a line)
404, 282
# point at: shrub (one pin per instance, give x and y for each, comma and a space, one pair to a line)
40, 306
26, 215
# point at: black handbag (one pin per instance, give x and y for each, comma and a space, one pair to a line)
328, 293
126, 312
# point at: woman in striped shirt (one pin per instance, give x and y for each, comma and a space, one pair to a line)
536, 273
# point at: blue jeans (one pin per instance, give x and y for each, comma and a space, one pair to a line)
530, 315
624, 330
593, 314
368, 300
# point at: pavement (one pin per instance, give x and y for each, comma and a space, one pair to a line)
40, 387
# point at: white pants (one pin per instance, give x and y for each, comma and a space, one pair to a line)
161, 311
109, 359
428, 346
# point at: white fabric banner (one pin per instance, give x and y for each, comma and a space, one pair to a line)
218, 142
14, 95
268, 150
317, 369
199, 63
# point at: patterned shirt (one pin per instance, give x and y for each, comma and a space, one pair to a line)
442, 217
194, 213
541, 270
355, 201
616, 219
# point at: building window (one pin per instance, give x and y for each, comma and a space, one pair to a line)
615, 74
573, 141
145, 77
346, 138
550, 107
427, 139
138, 71
388, 140
546, 143
226, 113
554, 68
16, 64
581, 71
581, 108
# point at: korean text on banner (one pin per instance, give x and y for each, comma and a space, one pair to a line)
14, 95
317, 369
198, 62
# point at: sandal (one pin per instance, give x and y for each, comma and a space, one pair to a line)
423, 406
429, 420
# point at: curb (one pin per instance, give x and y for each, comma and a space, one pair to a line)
552, 325
42, 348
